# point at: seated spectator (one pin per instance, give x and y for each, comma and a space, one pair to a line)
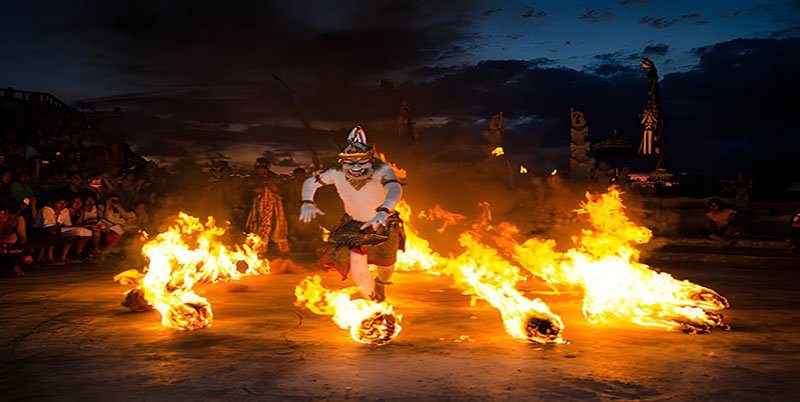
53, 220
5, 185
76, 187
75, 209
12, 227
119, 217
12, 234
721, 223
21, 188
103, 230
130, 190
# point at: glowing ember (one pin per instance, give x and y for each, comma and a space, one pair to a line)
326, 234
368, 321
498, 151
523, 169
553, 173
437, 213
188, 253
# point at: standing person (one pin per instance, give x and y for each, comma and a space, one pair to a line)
266, 217
371, 231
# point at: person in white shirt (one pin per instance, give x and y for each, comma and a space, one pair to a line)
91, 218
54, 219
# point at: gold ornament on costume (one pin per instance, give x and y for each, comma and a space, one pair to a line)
358, 184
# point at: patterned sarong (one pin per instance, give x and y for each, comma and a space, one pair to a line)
267, 220
379, 245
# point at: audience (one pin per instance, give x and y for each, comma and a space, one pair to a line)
43, 156
60, 194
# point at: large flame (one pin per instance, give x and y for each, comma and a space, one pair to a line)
604, 264
483, 275
368, 321
186, 254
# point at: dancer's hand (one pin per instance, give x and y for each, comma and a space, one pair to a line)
376, 222
308, 212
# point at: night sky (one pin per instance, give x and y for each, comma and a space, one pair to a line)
195, 78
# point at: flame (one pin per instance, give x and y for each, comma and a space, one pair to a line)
553, 173
437, 212
604, 264
492, 279
483, 275
418, 255
186, 254
523, 169
498, 151
400, 173
326, 234
368, 321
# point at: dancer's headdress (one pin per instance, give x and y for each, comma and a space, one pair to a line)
356, 148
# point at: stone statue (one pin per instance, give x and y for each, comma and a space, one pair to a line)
581, 163
405, 122
652, 141
495, 134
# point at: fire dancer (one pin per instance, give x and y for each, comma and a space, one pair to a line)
371, 231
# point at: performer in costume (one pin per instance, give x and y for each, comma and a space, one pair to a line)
371, 231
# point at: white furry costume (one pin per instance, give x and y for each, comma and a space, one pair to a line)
371, 232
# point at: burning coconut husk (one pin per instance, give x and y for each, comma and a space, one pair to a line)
603, 265
368, 321
483, 275
189, 252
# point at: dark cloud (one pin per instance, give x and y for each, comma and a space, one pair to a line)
760, 9
531, 12
594, 16
729, 114
660, 49
490, 12
663, 22
189, 44
739, 99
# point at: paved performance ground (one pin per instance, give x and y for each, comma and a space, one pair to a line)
66, 337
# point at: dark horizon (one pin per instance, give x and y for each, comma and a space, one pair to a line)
196, 79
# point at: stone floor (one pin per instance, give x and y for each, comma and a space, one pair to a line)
66, 337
